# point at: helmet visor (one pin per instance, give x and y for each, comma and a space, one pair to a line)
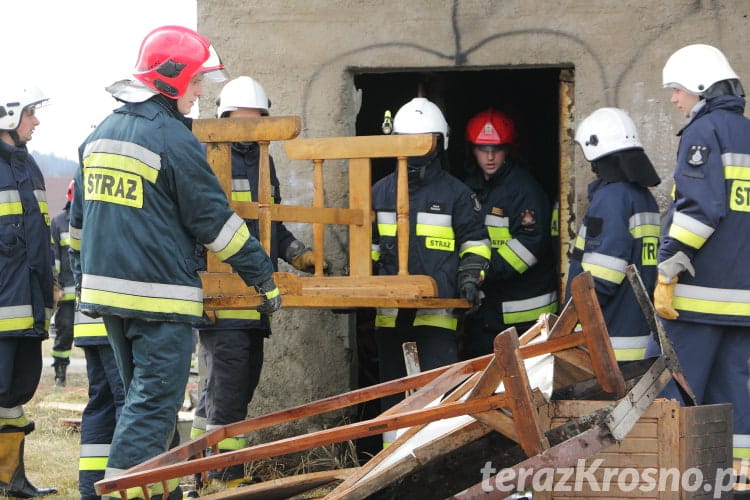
213, 68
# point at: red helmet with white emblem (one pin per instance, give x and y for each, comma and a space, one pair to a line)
491, 127
70, 190
171, 55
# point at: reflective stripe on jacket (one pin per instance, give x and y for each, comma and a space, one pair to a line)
445, 225
26, 280
621, 227
143, 197
709, 218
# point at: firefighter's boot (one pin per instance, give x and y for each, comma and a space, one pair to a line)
13, 481
61, 367
232, 476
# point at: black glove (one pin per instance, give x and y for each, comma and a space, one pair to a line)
470, 276
271, 297
302, 258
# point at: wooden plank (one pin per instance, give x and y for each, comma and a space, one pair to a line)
449, 374
219, 156
365, 146
566, 322
578, 358
597, 337
296, 444
516, 382
285, 487
304, 214
360, 201
266, 128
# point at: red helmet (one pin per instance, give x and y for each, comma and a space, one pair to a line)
70, 190
171, 55
491, 127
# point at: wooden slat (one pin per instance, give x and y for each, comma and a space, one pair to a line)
365, 146
292, 213
360, 202
599, 346
285, 487
266, 128
516, 383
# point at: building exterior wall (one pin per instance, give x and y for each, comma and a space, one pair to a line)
304, 52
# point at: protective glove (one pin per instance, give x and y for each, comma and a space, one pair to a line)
302, 257
271, 297
470, 276
663, 296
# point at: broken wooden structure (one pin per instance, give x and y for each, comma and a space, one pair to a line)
359, 288
453, 407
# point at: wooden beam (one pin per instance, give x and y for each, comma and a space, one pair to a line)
265, 128
365, 146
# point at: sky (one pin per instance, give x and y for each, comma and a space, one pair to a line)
72, 50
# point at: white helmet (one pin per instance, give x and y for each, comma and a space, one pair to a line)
14, 100
420, 116
695, 68
242, 92
605, 131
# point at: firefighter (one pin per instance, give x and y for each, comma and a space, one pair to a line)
703, 287
521, 281
63, 318
143, 197
447, 242
26, 281
620, 227
106, 397
232, 347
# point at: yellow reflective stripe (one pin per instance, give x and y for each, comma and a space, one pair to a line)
580, 243
272, 293
231, 238
16, 318
498, 235
89, 330
375, 252
629, 354
386, 317
435, 231
604, 273
708, 306
60, 354
604, 266
741, 446
11, 208
481, 248
75, 238
449, 323
521, 311
123, 155
689, 231
554, 226
137, 303
512, 259
238, 314
386, 223
232, 443
385, 321
242, 196
92, 463
645, 231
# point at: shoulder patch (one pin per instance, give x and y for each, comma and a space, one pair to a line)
528, 218
697, 155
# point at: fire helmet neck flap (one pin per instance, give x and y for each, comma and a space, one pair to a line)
170, 56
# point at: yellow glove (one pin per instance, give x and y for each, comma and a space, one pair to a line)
305, 262
663, 297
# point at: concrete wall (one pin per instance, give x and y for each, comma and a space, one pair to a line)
303, 51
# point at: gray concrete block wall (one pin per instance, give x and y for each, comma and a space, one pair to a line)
304, 52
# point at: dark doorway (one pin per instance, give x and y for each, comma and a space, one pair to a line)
530, 96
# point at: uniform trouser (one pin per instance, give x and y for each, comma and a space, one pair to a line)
64, 327
20, 370
153, 358
435, 347
234, 360
106, 398
714, 359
